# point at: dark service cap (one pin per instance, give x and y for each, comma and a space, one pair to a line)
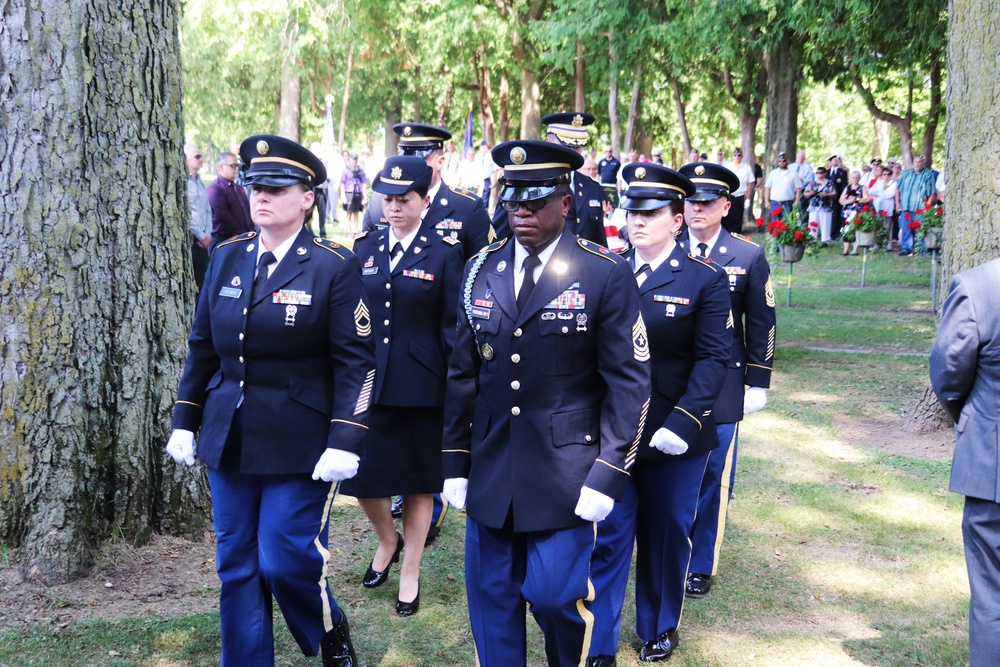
533, 169
710, 180
402, 173
279, 162
570, 127
420, 139
651, 186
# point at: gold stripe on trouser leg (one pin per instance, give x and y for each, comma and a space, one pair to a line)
587, 615
444, 510
727, 469
327, 613
687, 568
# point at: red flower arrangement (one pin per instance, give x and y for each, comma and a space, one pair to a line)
790, 230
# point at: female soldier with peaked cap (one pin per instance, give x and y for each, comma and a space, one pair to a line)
278, 379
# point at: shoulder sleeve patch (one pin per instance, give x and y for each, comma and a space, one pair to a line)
640, 343
745, 239
769, 293
332, 246
598, 249
701, 261
237, 239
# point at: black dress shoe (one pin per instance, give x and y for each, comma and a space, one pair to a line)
336, 647
601, 661
698, 586
408, 608
397, 507
374, 578
432, 535
661, 648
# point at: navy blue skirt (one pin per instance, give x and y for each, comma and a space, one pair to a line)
402, 453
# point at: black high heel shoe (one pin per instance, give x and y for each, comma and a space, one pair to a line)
405, 609
374, 578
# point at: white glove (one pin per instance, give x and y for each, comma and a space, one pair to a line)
455, 490
593, 505
181, 446
668, 442
336, 465
754, 400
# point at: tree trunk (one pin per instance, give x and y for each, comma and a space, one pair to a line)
675, 86
784, 70
504, 106
934, 113
880, 144
393, 115
95, 280
347, 95
972, 139
486, 102
633, 110
289, 111
614, 120
531, 110
445, 112
579, 102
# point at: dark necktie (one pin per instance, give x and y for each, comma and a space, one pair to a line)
528, 284
266, 260
643, 273
703, 249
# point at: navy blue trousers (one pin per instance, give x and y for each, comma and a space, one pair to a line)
713, 503
658, 510
550, 570
271, 533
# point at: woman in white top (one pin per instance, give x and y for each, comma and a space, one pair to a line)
883, 196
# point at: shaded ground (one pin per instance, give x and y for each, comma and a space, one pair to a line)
172, 577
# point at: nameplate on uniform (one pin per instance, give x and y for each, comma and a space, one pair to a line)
736, 270
292, 296
231, 292
660, 298
449, 223
369, 270
484, 303
571, 299
418, 273
481, 313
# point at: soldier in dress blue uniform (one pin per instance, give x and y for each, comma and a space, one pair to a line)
279, 375
547, 390
586, 212
453, 212
752, 301
685, 306
412, 279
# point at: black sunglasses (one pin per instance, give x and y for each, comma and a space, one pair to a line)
233, 165
533, 205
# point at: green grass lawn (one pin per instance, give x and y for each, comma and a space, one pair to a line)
836, 553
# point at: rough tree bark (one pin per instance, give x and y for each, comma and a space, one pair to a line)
504, 104
784, 71
579, 100
972, 139
95, 280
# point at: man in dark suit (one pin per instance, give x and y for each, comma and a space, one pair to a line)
965, 375
547, 390
278, 380
744, 390
230, 206
837, 176
456, 213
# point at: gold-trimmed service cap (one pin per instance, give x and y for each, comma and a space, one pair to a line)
533, 169
569, 127
420, 139
401, 174
711, 180
278, 162
650, 186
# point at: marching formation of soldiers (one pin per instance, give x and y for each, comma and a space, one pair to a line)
578, 403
